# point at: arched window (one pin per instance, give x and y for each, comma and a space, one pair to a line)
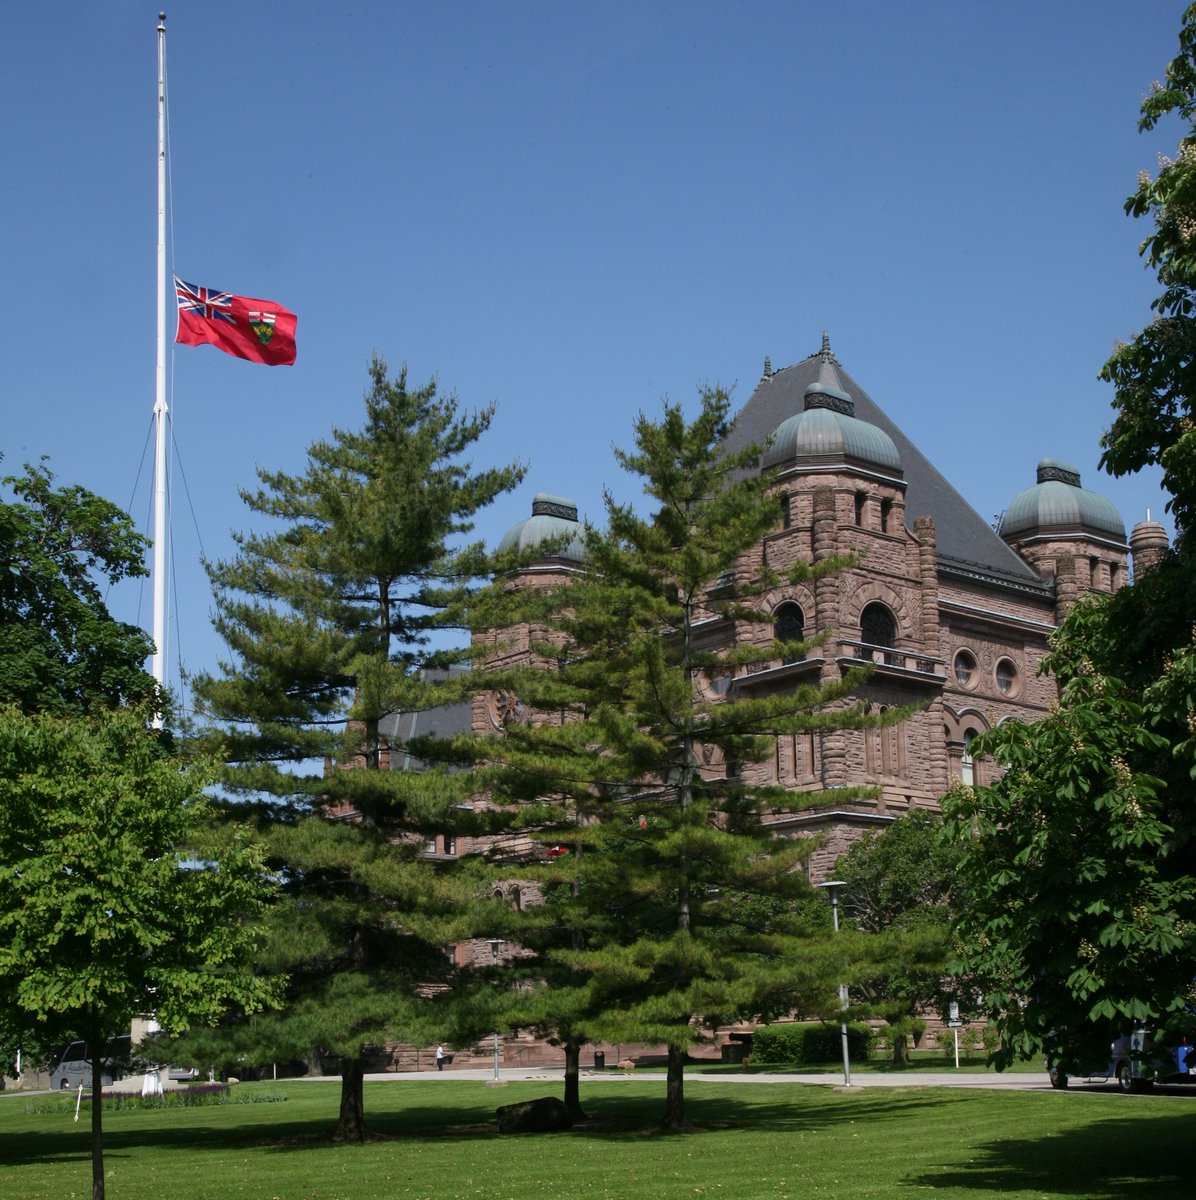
789, 625
786, 514
861, 499
886, 516
967, 768
877, 627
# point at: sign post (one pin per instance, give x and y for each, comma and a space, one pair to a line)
953, 1023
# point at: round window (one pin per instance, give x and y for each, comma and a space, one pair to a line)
1006, 677
719, 681
507, 709
965, 668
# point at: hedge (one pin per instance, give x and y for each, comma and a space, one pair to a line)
806, 1043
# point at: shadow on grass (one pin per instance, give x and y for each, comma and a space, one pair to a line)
1117, 1159
609, 1117
621, 1116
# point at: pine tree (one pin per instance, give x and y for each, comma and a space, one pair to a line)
676, 905
330, 618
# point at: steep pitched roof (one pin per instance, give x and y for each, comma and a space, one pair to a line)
966, 542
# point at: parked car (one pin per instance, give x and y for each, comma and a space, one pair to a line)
71, 1067
1136, 1063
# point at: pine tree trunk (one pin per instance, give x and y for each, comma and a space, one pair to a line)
96, 1046
674, 1103
900, 1049
350, 1126
572, 1077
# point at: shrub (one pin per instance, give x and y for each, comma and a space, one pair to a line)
972, 1041
807, 1042
200, 1096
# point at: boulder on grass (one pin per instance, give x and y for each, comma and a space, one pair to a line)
546, 1114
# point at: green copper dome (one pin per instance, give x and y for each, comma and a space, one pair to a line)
553, 522
1057, 502
828, 426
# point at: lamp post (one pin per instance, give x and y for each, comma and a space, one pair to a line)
494, 945
833, 886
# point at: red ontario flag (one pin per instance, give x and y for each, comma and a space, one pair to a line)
258, 330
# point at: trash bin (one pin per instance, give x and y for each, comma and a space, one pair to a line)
599, 1060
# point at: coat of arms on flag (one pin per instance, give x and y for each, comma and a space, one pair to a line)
262, 323
258, 330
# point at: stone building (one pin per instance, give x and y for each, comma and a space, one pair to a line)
951, 615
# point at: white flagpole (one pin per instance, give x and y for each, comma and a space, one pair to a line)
160, 411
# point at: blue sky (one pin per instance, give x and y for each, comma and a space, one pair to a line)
575, 211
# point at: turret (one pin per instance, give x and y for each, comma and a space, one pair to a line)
1057, 519
1148, 544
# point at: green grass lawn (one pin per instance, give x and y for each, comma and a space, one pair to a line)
754, 1141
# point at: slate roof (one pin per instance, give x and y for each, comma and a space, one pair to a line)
966, 542
443, 721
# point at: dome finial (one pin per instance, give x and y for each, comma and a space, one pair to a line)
826, 345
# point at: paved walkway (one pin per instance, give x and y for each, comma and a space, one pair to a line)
1006, 1081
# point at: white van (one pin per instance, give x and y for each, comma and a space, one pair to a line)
72, 1068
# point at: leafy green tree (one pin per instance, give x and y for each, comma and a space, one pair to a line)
1155, 373
61, 651
329, 617
1075, 893
1077, 905
898, 882
1077, 865
114, 898
33, 1051
626, 757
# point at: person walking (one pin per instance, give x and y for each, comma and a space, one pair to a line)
440, 1058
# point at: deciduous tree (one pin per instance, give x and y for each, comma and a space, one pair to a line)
1154, 374
897, 883
1077, 865
114, 897
61, 650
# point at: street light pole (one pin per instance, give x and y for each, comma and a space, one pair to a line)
833, 886
494, 945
